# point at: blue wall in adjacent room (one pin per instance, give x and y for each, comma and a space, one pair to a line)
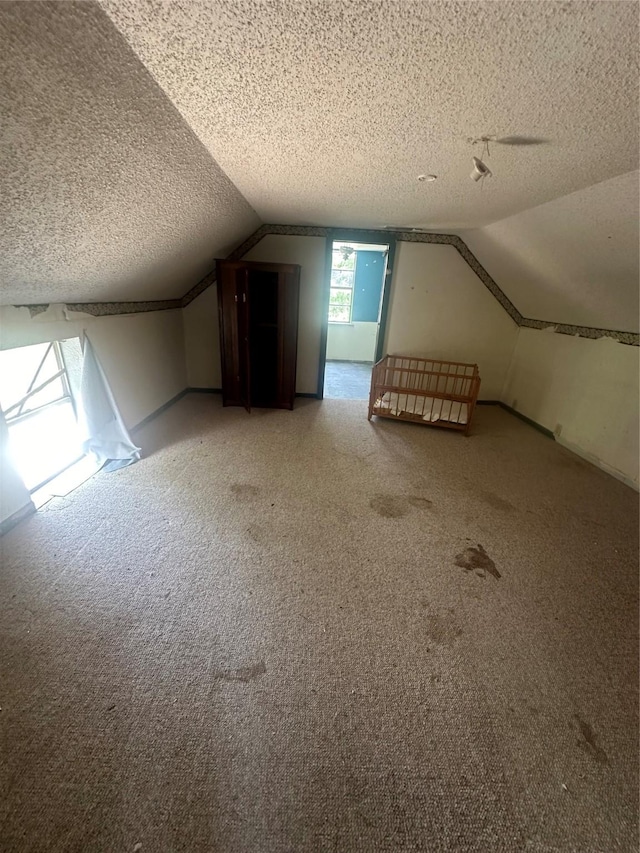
368, 286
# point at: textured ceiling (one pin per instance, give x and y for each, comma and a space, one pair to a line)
106, 193
572, 260
140, 137
326, 112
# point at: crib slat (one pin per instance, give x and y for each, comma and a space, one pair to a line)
406, 379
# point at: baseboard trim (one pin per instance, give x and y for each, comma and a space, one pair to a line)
598, 463
347, 361
17, 517
487, 402
573, 448
219, 391
527, 420
169, 403
159, 411
190, 390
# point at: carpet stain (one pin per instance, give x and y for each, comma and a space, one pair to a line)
389, 506
397, 506
477, 559
244, 491
497, 502
442, 630
588, 742
243, 673
420, 503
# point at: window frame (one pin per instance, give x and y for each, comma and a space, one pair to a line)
350, 289
61, 374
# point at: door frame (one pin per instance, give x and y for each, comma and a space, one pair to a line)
354, 236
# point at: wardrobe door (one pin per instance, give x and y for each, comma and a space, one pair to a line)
232, 315
288, 298
264, 337
244, 336
258, 311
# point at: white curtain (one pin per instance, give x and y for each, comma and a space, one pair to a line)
105, 437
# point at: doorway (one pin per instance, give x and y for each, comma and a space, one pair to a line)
357, 290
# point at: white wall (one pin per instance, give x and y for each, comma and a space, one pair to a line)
352, 341
201, 316
440, 308
202, 340
586, 391
143, 357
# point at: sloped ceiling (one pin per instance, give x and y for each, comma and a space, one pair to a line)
325, 111
571, 260
145, 138
106, 193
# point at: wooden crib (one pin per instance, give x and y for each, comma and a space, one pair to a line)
425, 391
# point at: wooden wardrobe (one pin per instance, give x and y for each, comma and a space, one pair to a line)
258, 311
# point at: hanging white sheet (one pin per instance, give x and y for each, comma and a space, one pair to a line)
105, 437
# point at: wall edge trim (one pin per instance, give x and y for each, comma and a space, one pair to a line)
529, 421
99, 309
169, 403
574, 448
158, 411
598, 463
629, 338
209, 279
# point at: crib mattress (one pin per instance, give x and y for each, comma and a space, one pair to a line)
430, 409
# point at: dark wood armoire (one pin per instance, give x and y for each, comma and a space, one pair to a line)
258, 311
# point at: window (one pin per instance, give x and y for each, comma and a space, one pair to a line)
35, 397
343, 270
35, 377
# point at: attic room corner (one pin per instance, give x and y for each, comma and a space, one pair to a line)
320, 426
142, 355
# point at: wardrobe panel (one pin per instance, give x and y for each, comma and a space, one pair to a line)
258, 305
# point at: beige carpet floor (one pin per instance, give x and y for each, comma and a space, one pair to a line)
269, 635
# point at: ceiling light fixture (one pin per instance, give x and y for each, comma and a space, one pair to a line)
479, 170
428, 178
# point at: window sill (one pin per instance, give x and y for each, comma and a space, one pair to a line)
341, 323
